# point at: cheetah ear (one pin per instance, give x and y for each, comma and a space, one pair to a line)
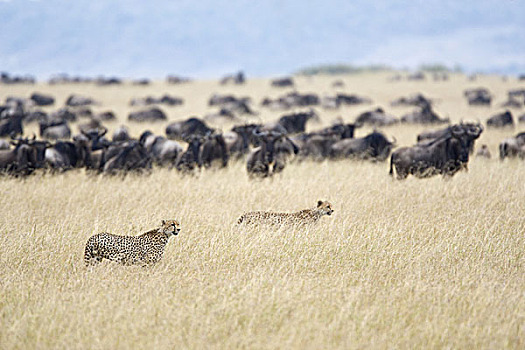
319, 203
163, 222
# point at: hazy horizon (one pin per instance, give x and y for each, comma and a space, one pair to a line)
206, 40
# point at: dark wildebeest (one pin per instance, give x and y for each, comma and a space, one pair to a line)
41, 99
149, 115
501, 120
128, 156
292, 99
239, 144
20, 160
344, 99
445, 155
94, 124
478, 97
162, 151
374, 146
473, 130
424, 115
377, 117
54, 129
296, 122
121, 134
11, 122
237, 78
282, 82
189, 160
65, 155
317, 145
77, 101
415, 100
106, 116
214, 149
270, 157
513, 147
173, 79
149, 100
191, 126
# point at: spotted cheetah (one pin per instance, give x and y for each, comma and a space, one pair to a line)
303, 217
128, 250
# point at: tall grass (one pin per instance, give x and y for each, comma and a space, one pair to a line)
414, 264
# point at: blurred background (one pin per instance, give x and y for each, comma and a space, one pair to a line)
206, 39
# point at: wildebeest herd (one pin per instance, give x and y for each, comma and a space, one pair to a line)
190, 145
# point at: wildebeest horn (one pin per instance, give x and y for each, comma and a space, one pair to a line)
34, 137
105, 130
394, 142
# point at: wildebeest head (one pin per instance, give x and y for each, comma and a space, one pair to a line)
194, 144
460, 149
95, 136
267, 141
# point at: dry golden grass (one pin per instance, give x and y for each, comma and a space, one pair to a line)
413, 264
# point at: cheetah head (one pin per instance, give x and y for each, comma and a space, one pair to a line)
325, 207
170, 227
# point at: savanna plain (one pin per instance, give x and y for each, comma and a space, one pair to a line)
418, 264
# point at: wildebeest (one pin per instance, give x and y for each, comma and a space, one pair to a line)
473, 130
230, 106
237, 78
377, 117
501, 120
345, 99
41, 99
296, 122
478, 97
20, 160
513, 147
6, 78
149, 100
54, 129
214, 149
282, 82
94, 124
415, 100
121, 134
374, 146
270, 156
292, 99
191, 126
425, 115
77, 100
66, 155
239, 144
445, 155
173, 79
162, 151
11, 122
126, 157
149, 115
189, 160
317, 145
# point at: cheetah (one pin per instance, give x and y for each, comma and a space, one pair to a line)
303, 217
146, 249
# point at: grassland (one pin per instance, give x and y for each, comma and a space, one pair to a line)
415, 264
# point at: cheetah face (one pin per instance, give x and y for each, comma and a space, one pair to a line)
325, 207
170, 227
